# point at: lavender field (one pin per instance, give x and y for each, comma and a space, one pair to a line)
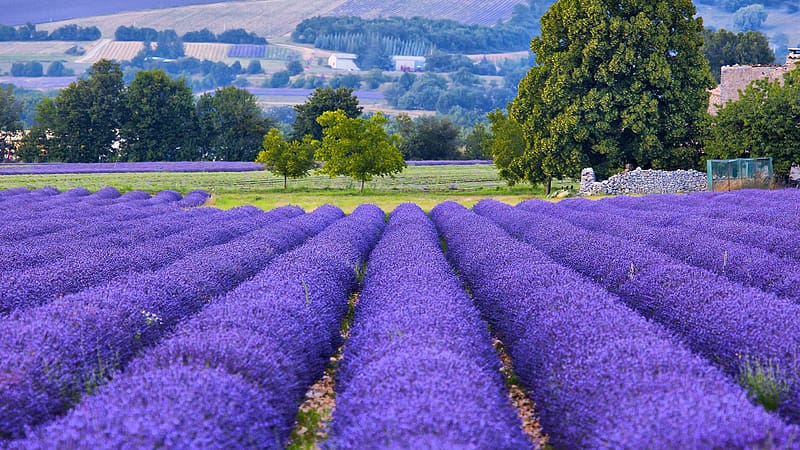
142, 321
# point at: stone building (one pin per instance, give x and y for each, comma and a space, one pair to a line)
735, 79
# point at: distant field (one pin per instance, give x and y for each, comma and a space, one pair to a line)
114, 50
211, 52
467, 11
269, 18
426, 186
40, 11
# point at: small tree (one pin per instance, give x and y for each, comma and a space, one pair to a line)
356, 147
288, 159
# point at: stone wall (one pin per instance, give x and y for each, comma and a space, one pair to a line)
644, 182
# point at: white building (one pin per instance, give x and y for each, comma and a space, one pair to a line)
343, 61
408, 63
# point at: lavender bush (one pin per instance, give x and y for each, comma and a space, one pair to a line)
261, 346
723, 321
601, 376
746, 264
54, 354
417, 339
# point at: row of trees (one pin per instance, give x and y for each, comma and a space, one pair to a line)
418, 34
28, 32
232, 36
35, 69
155, 118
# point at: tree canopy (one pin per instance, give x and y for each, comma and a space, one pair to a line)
763, 122
358, 148
288, 159
615, 83
321, 101
428, 138
161, 123
724, 48
231, 125
10, 123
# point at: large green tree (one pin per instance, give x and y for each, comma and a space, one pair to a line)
82, 123
162, 124
616, 82
10, 124
288, 159
428, 138
358, 148
724, 48
763, 122
231, 125
322, 100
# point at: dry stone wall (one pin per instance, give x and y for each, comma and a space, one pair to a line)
644, 182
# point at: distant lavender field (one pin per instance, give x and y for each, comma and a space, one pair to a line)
39, 83
41, 11
63, 168
466, 162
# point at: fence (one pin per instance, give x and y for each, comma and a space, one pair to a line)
731, 174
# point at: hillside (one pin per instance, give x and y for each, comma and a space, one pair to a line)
41, 11
277, 18
274, 18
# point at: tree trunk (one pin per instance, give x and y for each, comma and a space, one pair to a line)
548, 186
362, 186
284, 181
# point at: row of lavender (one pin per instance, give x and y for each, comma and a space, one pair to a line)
194, 363
719, 289
128, 167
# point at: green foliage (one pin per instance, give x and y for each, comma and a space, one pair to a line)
724, 48
81, 123
28, 32
27, 69
279, 79
294, 67
57, 69
322, 100
254, 67
763, 122
428, 138
231, 125
358, 148
508, 147
162, 123
615, 84
417, 35
288, 159
10, 124
478, 143
763, 382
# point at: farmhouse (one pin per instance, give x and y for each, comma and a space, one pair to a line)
736, 78
343, 61
408, 63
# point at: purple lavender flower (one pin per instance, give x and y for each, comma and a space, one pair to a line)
261, 346
417, 348
53, 354
601, 375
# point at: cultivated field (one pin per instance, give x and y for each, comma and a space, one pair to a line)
426, 185
467, 11
141, 320
209, 51
112, 50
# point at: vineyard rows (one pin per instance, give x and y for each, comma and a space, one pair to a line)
143, 321
467, 11
209, 51
115, 51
